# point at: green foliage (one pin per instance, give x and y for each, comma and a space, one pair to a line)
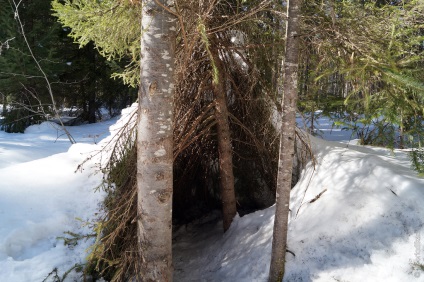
16, 119
20, 80
417, 160
114, 27
420, 266
92, 86
114, 255
417, 268
54, 276
71, 239
246, 69
370, 54
215, 73
79, 77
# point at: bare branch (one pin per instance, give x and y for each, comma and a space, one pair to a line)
49, 88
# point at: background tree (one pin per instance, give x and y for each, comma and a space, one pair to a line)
374, 82
20, 79
66, 67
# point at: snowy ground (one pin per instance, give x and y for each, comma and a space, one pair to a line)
367, 225
42, 196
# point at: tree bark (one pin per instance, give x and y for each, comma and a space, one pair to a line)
225, 150
285, 164
155, 141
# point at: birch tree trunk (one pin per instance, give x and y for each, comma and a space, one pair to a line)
228, 198
155, 141
285, 163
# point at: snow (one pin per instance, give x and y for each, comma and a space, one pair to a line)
366, 225
357, 215
42, 196
368, 217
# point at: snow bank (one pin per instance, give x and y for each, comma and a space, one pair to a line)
366, 225
39, 201
42, 196
46, 139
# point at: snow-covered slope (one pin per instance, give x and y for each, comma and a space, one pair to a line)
366, 225
42, 196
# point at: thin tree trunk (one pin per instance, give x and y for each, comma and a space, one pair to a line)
93, 86
155, 141
4, 104
92, 107
401, 129
285, 164
228, 197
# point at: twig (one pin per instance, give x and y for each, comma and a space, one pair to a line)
393, 192
317, 196
288, 251
5, 44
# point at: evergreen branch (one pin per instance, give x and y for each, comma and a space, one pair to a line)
202, 30
405, 80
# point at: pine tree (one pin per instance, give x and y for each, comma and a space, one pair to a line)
20, 79
78, 77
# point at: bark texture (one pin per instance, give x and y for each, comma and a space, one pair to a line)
155, 141
285, 164
226, 174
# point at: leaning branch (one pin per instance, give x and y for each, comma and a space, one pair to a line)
49, 88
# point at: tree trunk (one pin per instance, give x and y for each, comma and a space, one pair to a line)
155, 141
92, 107
4, 104
401, 132
228, 197
285, 164
311, 128
92, 85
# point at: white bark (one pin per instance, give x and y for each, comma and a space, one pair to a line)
155, 141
